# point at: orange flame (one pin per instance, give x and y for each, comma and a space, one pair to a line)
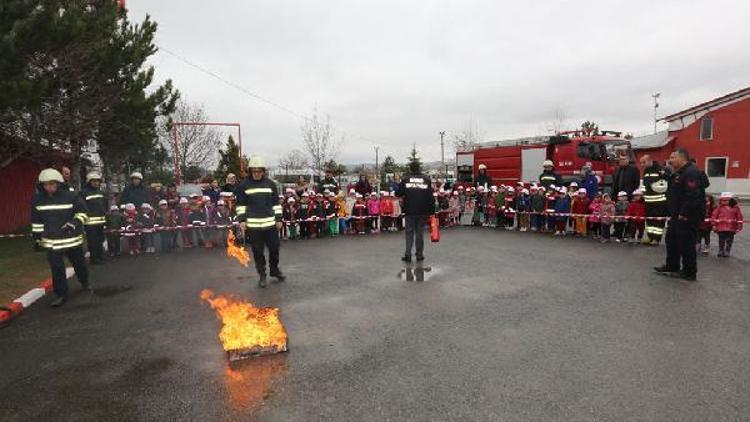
244, 325
235, 251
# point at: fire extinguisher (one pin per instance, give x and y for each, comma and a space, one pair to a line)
434, 229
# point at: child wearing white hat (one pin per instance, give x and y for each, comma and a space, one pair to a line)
113, 221
621, 209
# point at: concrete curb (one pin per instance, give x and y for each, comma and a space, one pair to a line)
18, 305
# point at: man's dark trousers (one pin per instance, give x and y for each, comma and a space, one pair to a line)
259, 240
680, 240
57, 268
95, 239
415, 228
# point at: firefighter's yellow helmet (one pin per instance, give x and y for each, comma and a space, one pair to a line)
660, 186
50, 175
256, 162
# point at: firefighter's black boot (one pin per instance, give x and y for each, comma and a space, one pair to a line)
279, 276
60, 301
262, 283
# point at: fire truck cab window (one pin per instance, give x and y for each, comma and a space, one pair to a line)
465, 174
589, 151
615, 150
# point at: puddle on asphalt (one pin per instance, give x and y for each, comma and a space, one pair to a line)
108, 291
417, 272
250, 382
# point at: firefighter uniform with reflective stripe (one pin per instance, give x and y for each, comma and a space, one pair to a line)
258, 208
57, 225
96, 204
549, 178
655, 197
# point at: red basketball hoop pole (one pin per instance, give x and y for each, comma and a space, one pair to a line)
177, 173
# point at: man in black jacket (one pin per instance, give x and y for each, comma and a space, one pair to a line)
627, 177
328, 183
686, 203
96, 203
482, 179
134, 193
416, 191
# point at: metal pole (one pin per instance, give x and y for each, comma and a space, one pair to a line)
242, 162
656, 105
176, 155
442, 153
377, 169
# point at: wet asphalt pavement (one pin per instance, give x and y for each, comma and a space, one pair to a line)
506, 326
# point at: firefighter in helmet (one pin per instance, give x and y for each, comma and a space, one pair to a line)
57, 219
549, 176
259, 215
96, 204
482, 179
655, 185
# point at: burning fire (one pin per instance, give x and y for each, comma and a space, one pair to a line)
247, 330
237, 251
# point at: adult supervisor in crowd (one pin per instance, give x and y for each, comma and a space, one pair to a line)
231, 183
685, 200
627, 177
135, 193
260, 218
57, 219
328, 183
655, 184
416, 191
549, 176
482, 178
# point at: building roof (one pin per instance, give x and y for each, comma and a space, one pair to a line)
655, 140
736, 95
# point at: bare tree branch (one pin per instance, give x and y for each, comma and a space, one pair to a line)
197, 145
318, 138
469, 137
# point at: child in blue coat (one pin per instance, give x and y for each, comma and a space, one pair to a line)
562, 206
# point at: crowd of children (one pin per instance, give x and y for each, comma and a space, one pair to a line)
561, 211
570, 211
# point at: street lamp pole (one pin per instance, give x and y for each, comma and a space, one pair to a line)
377, 168
442, 152
656, 105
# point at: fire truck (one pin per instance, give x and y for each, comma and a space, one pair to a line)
517, 160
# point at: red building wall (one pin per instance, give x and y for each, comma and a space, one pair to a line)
731, 138
17, 186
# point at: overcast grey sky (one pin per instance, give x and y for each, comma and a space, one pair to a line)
397, 72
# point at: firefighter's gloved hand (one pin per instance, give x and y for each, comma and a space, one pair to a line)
38, 246
69, 228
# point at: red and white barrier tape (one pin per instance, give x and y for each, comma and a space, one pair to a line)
617, 218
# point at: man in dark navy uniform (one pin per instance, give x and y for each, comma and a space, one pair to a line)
416, 191
686, 204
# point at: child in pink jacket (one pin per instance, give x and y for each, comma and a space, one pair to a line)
594, 221
373, 210
727, 220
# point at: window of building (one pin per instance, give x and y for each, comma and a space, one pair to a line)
716, 167
707, 129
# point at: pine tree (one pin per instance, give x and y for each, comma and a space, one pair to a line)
74, 72
414, 162
230, 161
